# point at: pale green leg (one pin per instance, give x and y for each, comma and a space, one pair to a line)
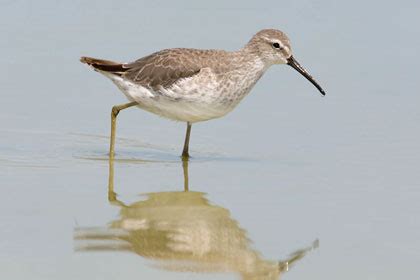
185, 154
114, 113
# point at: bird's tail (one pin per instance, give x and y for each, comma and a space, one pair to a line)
104, 65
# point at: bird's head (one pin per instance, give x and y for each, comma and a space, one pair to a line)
273, 47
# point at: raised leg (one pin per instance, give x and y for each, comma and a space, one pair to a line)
185, 154
114, 113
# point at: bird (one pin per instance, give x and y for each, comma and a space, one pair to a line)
195, 85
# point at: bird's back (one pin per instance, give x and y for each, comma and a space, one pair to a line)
165, 67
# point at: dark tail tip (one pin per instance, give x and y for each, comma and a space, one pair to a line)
104, 65
87, 60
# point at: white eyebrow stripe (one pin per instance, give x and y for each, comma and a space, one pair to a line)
275, 41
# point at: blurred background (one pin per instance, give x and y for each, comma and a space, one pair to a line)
289, 165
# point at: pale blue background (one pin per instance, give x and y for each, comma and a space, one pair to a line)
290, 165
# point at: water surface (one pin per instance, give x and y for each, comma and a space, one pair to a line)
283, 170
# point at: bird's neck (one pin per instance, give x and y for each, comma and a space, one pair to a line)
251, 62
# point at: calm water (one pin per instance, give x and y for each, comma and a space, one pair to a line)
286, 170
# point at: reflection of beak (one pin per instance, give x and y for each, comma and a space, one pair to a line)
293, 62
294, 257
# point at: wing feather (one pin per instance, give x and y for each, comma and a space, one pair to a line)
163, 68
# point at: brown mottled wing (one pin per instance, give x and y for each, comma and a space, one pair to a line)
163, 68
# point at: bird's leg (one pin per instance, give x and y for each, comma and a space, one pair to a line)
185, 169
114, 113
185, 154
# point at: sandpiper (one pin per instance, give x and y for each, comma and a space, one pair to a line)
192, 85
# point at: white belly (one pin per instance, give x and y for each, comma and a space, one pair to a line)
172, 107
182, 110
199, 98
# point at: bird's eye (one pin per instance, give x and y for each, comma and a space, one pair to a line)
276, 45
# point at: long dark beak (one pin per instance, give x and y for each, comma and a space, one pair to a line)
293, 62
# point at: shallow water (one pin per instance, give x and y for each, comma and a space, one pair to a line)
286, 170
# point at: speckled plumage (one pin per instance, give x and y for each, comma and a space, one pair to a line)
193, 85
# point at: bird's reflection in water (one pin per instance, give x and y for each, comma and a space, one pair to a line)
182, 231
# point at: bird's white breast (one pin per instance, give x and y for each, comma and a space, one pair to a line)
201, 97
